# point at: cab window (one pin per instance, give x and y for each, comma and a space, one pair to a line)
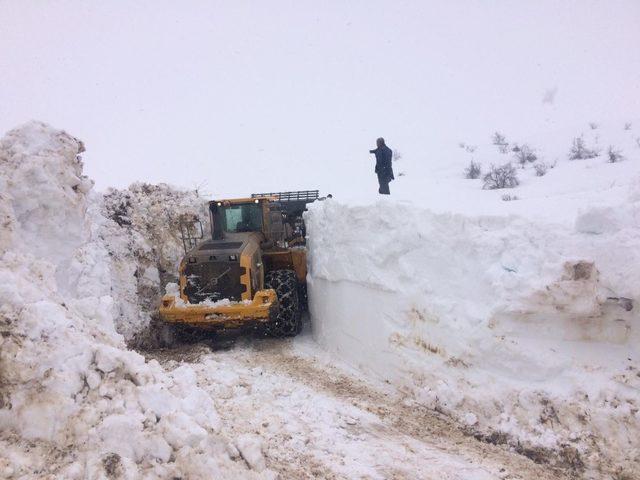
245, 217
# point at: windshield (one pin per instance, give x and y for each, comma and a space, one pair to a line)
245, 217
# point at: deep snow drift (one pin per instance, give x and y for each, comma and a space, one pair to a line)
523, 325
74, 402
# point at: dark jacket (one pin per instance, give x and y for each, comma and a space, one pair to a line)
383, 162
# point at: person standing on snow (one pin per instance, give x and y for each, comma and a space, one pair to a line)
383, 169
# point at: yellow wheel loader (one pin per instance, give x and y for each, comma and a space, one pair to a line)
251, 271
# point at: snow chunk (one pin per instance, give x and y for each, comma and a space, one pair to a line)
470, 419
250, 448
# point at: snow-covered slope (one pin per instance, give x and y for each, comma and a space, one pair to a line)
74, 402
436, 179
523, 324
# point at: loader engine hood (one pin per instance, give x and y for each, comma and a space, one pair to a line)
212, 271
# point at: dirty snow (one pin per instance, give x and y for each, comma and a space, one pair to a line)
142, 236
306, 416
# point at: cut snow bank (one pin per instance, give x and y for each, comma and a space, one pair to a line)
143, 240
74, 402
526, 332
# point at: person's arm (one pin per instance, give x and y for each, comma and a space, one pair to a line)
372, 151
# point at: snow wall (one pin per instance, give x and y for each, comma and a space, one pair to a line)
79, 272
525, 332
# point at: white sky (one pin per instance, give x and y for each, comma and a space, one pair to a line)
245, 96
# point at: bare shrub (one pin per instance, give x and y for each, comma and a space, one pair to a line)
397, 155
473, 171
466, 147
593, 125
613, 155
627, 126
579, 150
508, 197
500, 141
524, 154
501, 177
541, 168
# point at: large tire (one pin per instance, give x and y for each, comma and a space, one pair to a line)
287, 320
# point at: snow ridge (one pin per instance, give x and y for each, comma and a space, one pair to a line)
525, 331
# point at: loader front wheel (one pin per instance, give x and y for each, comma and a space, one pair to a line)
287, 320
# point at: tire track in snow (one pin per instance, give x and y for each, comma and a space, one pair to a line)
317, 421
400, 420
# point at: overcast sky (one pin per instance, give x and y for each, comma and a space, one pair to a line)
245, 96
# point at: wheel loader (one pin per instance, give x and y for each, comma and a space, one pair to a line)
250, 272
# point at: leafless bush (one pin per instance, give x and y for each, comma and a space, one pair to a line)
627, 126
593, 125
500, 141
524, 154
473, 171
508, 197
468, 148
397, 155
614, 155
501, 177
541, 169
579, 150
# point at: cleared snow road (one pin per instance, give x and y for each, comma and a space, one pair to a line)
315, 420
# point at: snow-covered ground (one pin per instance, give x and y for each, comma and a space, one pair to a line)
519, 318
312, 417
471, 339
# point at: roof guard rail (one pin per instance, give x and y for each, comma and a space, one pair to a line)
294, 196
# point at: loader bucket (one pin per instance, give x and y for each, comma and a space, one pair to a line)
232, 315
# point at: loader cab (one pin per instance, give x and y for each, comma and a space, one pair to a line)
277, 216
232, 217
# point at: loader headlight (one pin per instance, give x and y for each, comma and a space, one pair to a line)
233, 258
256, 201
